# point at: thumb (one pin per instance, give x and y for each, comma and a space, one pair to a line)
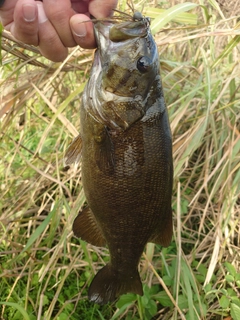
82, 30
7, 11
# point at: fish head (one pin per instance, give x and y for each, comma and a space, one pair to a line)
124, 81
127, 56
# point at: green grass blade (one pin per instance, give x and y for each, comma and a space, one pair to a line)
184, 17
18, 307
39, 229
228, 49
120, 311
159, 22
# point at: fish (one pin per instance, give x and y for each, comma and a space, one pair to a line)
125, 146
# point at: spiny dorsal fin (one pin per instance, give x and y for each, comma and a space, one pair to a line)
86, 227
73, 153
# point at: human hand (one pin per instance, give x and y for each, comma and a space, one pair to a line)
54, 25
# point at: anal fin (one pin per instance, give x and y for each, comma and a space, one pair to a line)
86, 227
163, 235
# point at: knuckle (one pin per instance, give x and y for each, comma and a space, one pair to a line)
58, 16
52, 48
56, 56
26, 37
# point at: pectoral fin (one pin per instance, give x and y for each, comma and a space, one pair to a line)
104, 151
163, 234
86, 227
73, 153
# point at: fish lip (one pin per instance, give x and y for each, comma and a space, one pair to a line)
101, 33
104, 44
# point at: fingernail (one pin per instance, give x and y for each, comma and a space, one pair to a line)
29, 12
41, 13
79, 29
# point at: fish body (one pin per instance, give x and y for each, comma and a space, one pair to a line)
126, 155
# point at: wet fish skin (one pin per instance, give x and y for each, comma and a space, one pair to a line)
126, 156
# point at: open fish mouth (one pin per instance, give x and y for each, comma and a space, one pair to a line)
111, 30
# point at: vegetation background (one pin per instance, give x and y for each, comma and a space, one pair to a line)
44, 270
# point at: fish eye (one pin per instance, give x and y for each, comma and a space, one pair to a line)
143, 64
137, 16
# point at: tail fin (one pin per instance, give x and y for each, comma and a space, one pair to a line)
108, 285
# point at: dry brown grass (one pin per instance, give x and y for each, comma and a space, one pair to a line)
44, 269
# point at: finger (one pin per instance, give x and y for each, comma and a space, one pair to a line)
82, 29
1, 3
25, 22
50, 44
6, 11
102, 8
59, 13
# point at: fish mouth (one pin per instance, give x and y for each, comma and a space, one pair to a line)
113, 31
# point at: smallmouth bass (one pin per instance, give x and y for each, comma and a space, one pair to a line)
126, 151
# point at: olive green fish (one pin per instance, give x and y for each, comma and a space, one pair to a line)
126, 152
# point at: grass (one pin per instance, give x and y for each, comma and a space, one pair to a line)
45, 271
